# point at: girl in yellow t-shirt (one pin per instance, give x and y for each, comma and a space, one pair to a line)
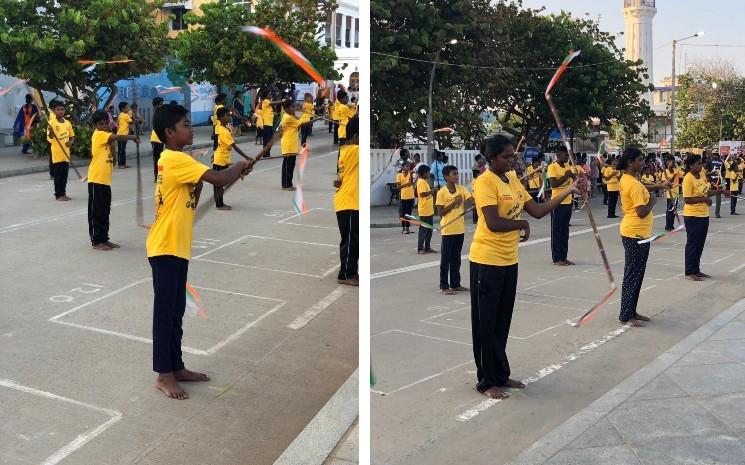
405, 183
637, 222
306, 119
500, 199
673, 176
697, 193
734, 175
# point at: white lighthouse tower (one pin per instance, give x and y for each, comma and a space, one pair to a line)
638, 15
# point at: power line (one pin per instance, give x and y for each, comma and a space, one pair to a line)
713, 45
490, 67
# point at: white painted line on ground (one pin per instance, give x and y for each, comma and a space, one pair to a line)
82, 439
433, 337
187, 349
318, 307
585, 349
735, 270
290, 240
227, 244
258, 268
331, 270
424, 379
16, 227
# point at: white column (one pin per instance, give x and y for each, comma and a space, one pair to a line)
352, 34
341, 31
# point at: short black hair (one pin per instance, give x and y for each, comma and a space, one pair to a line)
122, 105
692, 160
353, 127
157, 101
494, 145
29, 98
99, 116
629, 154
173, 102
288, 103
449, 169
422, 170
166, 118
340, 95
222, 111
54, 104
220, 97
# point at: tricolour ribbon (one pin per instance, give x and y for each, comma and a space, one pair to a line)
448, 130
194, 304
288, 50
299, 200
611, 281
5, 90
661, 235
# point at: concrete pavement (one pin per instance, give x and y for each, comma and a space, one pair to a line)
686, 406
425, 409
76, 385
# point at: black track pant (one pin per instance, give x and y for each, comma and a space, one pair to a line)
733, 203
121, 152
405, 208
99, 208
425, 234
633, 274
696, 229
612, 202
560, 232
493, 290
670, 214
305, 132
288, 169
267, 134
59, 173
349, 247
218, 190
452, 246
169, 284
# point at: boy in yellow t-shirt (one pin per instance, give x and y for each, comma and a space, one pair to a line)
306, 119
219, 103
734, 175
561, 177
347, 206
169, 242
99, 180
426, 209
154, 141
343, 113
405, 184
221, 158
60, 136
450, 203
124, 120
612, 178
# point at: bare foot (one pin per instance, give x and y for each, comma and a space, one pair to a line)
693, 277
569, 262
514, 384
633, 323
641, 317
702, 275
101, 247
349, 282
448, 291
112, 245
64, 198
561, 263
495, 393
167, 383
188, 375
225, 207
461, 289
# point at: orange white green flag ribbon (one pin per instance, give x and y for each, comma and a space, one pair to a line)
288, 50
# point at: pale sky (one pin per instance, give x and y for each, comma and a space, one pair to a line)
722, 21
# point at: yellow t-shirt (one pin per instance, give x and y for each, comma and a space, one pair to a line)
406, 193
124, 121
343, 113
534, 177
224, 146
64, 132
634, 194
645, 179
734, 174
612, 183
267, 112
696, 187
426, 205
332, 111
259, 120
215, 120
175, 202
347, 197
445, 198
102, 160
556, 171
154, 137
307, 113
497, 248
668, 175
290, 143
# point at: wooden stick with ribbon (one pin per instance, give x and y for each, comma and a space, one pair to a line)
611, 280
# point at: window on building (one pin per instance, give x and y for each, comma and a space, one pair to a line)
356, 33
339, 26
247, 4
328, 29
178, 21
348, 33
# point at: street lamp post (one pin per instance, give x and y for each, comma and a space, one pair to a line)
672, 94
430, 127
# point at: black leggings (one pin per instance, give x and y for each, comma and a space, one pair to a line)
405, 208
425, 234
452, 245
288, 170
633, 274
696, 229
612, 202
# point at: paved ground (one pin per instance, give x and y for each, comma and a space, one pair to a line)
76, 384
425, 409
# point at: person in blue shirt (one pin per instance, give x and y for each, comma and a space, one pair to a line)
438, 178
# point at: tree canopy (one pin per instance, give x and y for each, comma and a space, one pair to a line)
215, 49
505, 57
42, 41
